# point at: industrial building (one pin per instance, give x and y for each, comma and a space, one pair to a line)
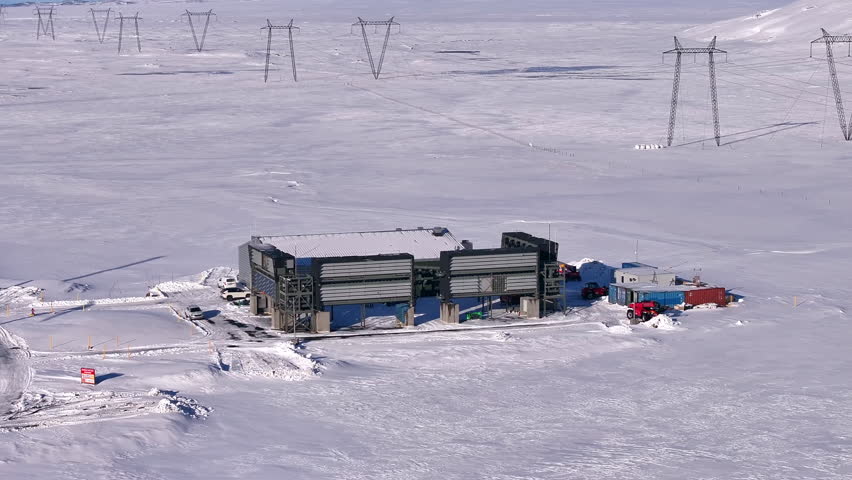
635, 272
639, 282
300, 279
667, 295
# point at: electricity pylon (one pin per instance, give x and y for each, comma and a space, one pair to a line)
45, 22
828, 39
121, 19
100, 31
199, 45
845, 38
270, 27
377, 70
679, 50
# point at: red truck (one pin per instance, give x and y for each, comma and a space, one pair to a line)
644, 311
592, 291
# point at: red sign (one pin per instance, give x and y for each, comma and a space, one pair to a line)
87, 376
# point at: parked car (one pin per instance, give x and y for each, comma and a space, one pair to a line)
155, 293
226, 282
193, 312
234, 293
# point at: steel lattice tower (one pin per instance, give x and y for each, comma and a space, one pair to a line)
199, 45
45, 22
828, 39
377, 70
678, 51
101, 32
135, 19
269, 28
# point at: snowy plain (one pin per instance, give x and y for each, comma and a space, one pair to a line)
121, 172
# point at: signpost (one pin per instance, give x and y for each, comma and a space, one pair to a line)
87, 376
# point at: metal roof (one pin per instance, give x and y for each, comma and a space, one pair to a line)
653, 287
422, 243
642, 271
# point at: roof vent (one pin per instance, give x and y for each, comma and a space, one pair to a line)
467, 244
439, 231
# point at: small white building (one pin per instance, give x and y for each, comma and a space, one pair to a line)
645, 274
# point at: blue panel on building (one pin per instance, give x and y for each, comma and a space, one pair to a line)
303, 265
663, 298
262, 283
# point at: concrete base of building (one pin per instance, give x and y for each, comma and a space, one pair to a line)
253, 304
530, 307
449, 312
280, 320
409, 317
320, 322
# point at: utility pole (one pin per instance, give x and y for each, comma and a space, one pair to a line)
678, 51
199, 45
377, 70
100, 31
45, 22
269, 28
121, 19
828, 39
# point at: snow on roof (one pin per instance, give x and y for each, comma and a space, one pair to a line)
641, 271
655, 287
422, 243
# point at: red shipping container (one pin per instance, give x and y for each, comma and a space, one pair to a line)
706, 295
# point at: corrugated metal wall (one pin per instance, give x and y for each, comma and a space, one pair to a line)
508, 284
367, 292
263, 284
244, 259
706, 295
358, 270
498, 262
354, 280
663, 298
620, 295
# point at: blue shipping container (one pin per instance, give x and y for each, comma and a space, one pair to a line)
619, 295
663, 298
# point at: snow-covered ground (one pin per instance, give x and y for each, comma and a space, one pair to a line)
119, 174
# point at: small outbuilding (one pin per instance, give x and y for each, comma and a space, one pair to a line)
646, 274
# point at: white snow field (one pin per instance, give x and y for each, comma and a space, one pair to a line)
119, 173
